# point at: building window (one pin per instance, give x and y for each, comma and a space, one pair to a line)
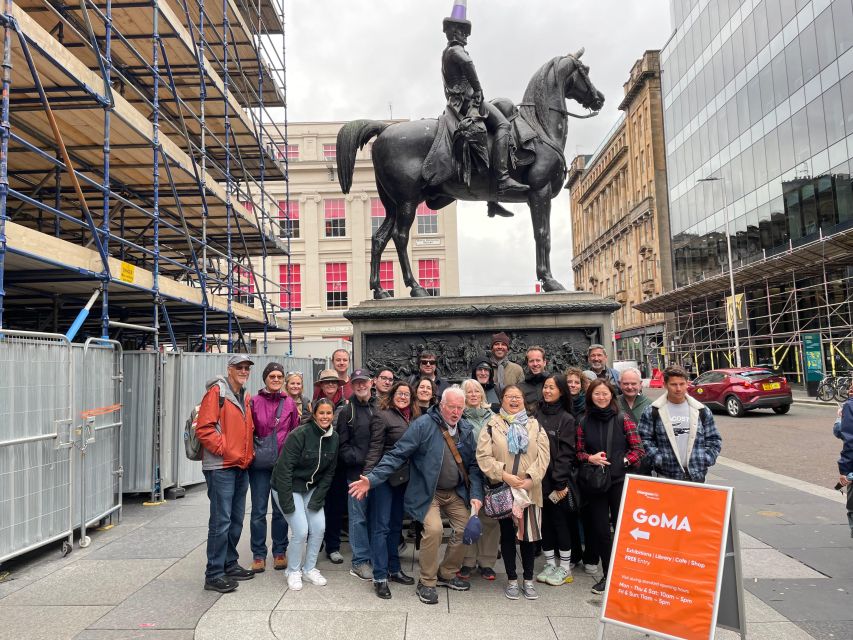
377, 215
386, 276
429, 277
289, 151
243, 285
336, 285
330, 152
289, 208
335, 218
250, 206
290, 280
427, 220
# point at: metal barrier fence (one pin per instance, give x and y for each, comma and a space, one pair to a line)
81, 424
184, 376
36, 441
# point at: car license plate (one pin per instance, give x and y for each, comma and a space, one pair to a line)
772, 386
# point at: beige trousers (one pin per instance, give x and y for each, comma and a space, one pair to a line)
484, 552
451, 505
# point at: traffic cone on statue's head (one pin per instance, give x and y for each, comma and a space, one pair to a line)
458, 17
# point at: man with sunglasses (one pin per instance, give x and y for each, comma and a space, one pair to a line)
427, 368
225, 430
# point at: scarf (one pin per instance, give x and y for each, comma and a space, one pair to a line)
578, 404
602, 415
516, 436
406, 413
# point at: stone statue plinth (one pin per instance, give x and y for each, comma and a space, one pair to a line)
391, 333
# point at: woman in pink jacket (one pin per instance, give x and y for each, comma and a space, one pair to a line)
275, 416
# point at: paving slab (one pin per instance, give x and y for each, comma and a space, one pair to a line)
152, 542
832, 562
346, 593
802, 600
46, 623
770, 563
89, 582
800, 536
482, 626
261, 593
748, 542
487, 599
190, 516
236, 625
815, 512
135, 634
828, 630
161, 604
771, 497
335, 625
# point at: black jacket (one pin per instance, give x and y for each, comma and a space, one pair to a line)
532, 389
562, 433
307, 461
386, 427
353, 427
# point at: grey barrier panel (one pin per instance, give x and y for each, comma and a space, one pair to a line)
139, 420
195, 370
36, 380
98, 412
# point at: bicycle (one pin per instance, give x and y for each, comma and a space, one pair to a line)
842, 386
826, 390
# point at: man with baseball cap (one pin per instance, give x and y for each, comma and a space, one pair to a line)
225, 430
506, 372
353, 427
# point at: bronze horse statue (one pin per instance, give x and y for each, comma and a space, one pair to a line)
400, 150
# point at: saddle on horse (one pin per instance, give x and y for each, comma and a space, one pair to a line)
462, 148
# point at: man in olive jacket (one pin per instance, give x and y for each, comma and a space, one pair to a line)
437, 486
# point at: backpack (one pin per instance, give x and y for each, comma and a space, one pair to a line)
192, 445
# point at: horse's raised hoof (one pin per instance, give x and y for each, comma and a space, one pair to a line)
550, 284
419, 292
380, 294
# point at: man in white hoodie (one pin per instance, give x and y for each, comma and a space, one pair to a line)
678, 432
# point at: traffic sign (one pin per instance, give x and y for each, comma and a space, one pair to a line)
668, 559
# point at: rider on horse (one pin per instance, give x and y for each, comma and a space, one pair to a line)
465, 99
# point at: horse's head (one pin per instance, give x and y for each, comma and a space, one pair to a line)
578, 86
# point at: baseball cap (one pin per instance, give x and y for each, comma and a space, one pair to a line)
360, 374
239, 358
473, 530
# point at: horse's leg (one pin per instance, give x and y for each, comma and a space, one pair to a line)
379, 242
405, 218
539, 202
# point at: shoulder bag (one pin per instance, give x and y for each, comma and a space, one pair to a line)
266, 449
497, 503
595, 479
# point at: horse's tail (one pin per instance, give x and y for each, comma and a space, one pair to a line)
352, 137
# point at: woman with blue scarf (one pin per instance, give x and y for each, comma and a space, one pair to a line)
514, 449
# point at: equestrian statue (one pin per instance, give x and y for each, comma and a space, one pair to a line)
493, 151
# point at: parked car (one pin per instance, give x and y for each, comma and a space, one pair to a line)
736, 391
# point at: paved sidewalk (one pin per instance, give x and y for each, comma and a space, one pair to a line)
143, 579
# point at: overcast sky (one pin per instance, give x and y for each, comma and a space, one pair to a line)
373, 59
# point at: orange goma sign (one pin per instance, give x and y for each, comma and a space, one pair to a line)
668, 556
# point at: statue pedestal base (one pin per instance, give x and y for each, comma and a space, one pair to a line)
392, 333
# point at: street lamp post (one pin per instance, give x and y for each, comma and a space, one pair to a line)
731, 266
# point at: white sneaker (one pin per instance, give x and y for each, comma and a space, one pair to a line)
591, 569
315, 577
294, 581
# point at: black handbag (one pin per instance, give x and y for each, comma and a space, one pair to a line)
497, 503
595, 479
266, 449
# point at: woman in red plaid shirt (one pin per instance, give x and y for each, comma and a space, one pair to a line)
626, 450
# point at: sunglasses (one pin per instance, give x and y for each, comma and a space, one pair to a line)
293, 373
243, 367
432, 362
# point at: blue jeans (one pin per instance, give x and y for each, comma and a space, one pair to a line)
226, 490
259, 486
359, 533
306, 533
386, 523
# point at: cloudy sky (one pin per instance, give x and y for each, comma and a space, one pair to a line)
373, 59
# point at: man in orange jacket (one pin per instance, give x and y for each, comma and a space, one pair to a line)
225, 431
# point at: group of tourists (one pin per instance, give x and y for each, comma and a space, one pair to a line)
522, 462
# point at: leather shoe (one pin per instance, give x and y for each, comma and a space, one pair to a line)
401, 578
236, 572
222, 584
382, 590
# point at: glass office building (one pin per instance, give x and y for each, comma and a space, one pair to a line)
758, 96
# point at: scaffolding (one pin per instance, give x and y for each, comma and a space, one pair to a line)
799, 290
136, 151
